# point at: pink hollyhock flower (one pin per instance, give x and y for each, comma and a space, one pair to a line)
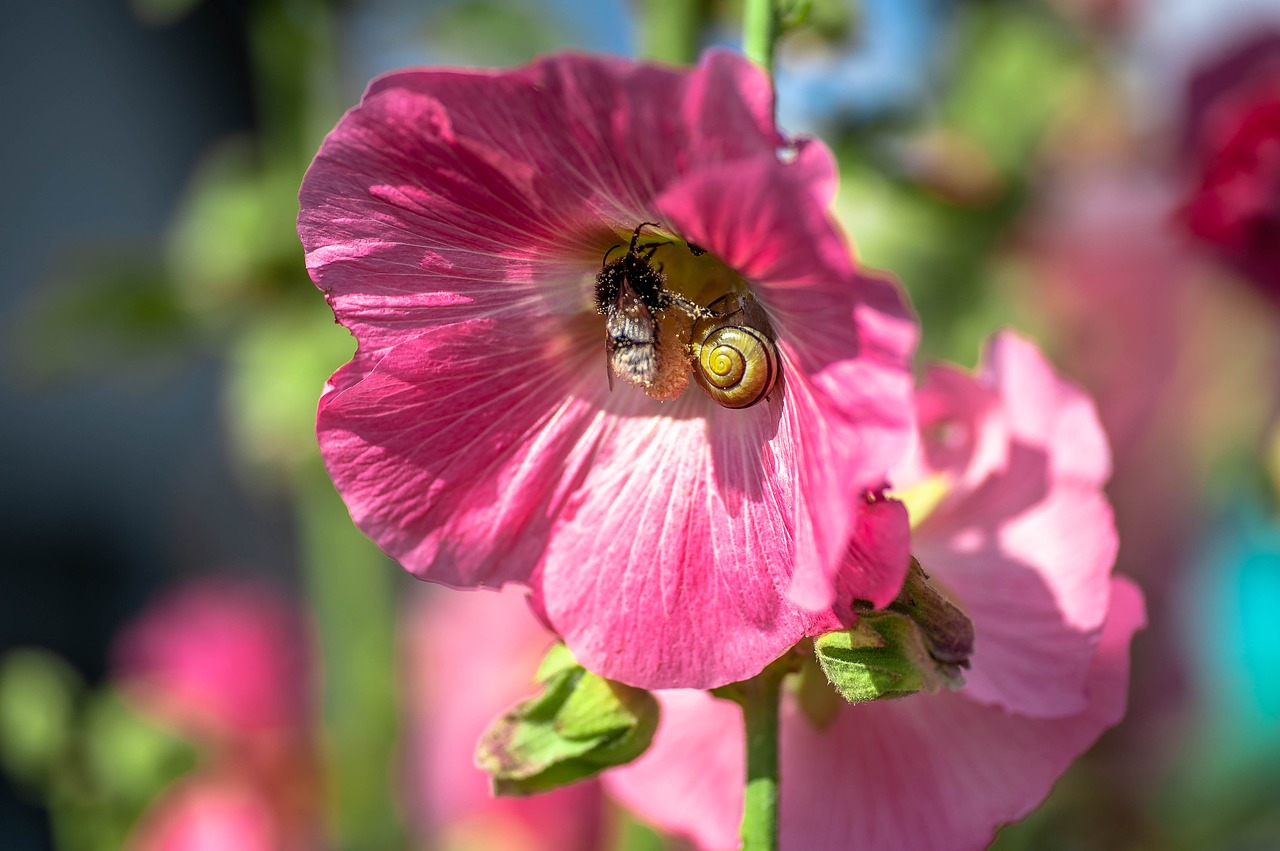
466, 660
1020, 535
218, 659
207, 813
1235, 205
457, 222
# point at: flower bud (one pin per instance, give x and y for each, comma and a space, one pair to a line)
919, 642
577, 725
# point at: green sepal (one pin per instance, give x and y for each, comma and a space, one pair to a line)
576, 726
946, 630
920, 642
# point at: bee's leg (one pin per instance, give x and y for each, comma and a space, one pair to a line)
695, 310
635, 237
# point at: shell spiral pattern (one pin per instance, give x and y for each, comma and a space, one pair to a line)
736, 364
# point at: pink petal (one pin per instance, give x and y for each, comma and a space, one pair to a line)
877, 557
690, 780
941, 772
1047, 411
962, 432
922, 773
678, 578
1033, 586
820, 169
459, 449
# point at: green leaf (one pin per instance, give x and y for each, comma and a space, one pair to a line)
38, 697
577, 725
119, 309
126, 758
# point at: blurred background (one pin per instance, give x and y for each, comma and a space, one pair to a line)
197, 647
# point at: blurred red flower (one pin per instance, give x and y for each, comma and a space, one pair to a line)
1234, 109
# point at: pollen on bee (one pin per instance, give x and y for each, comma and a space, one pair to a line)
672, 377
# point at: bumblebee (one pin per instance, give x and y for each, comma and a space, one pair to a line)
631, 293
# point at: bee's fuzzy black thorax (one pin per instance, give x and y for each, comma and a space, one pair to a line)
633, 268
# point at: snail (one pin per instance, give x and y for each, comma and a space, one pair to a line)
734, 357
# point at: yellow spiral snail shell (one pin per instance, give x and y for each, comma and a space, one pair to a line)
734, 358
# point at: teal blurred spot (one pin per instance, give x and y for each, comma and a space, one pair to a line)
1231, 611
1259, 599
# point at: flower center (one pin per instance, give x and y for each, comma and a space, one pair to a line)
924, 496
671, 307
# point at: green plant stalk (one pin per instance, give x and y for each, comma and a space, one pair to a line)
759, 698
351, 588
760, 25
670, 30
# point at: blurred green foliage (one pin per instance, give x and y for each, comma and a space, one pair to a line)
94, 763
485, 33
38, 695
934, 196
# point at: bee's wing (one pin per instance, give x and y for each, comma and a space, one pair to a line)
628, 305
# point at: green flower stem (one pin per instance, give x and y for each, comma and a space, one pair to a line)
670, 30
351, 587
759, 699
760, 27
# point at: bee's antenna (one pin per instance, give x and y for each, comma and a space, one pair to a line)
605, 262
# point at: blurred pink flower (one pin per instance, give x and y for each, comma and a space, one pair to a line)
218, 659
207, 813
1111, 287
456, 222
1235, 205
227, 663
466, 659
1021, 538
